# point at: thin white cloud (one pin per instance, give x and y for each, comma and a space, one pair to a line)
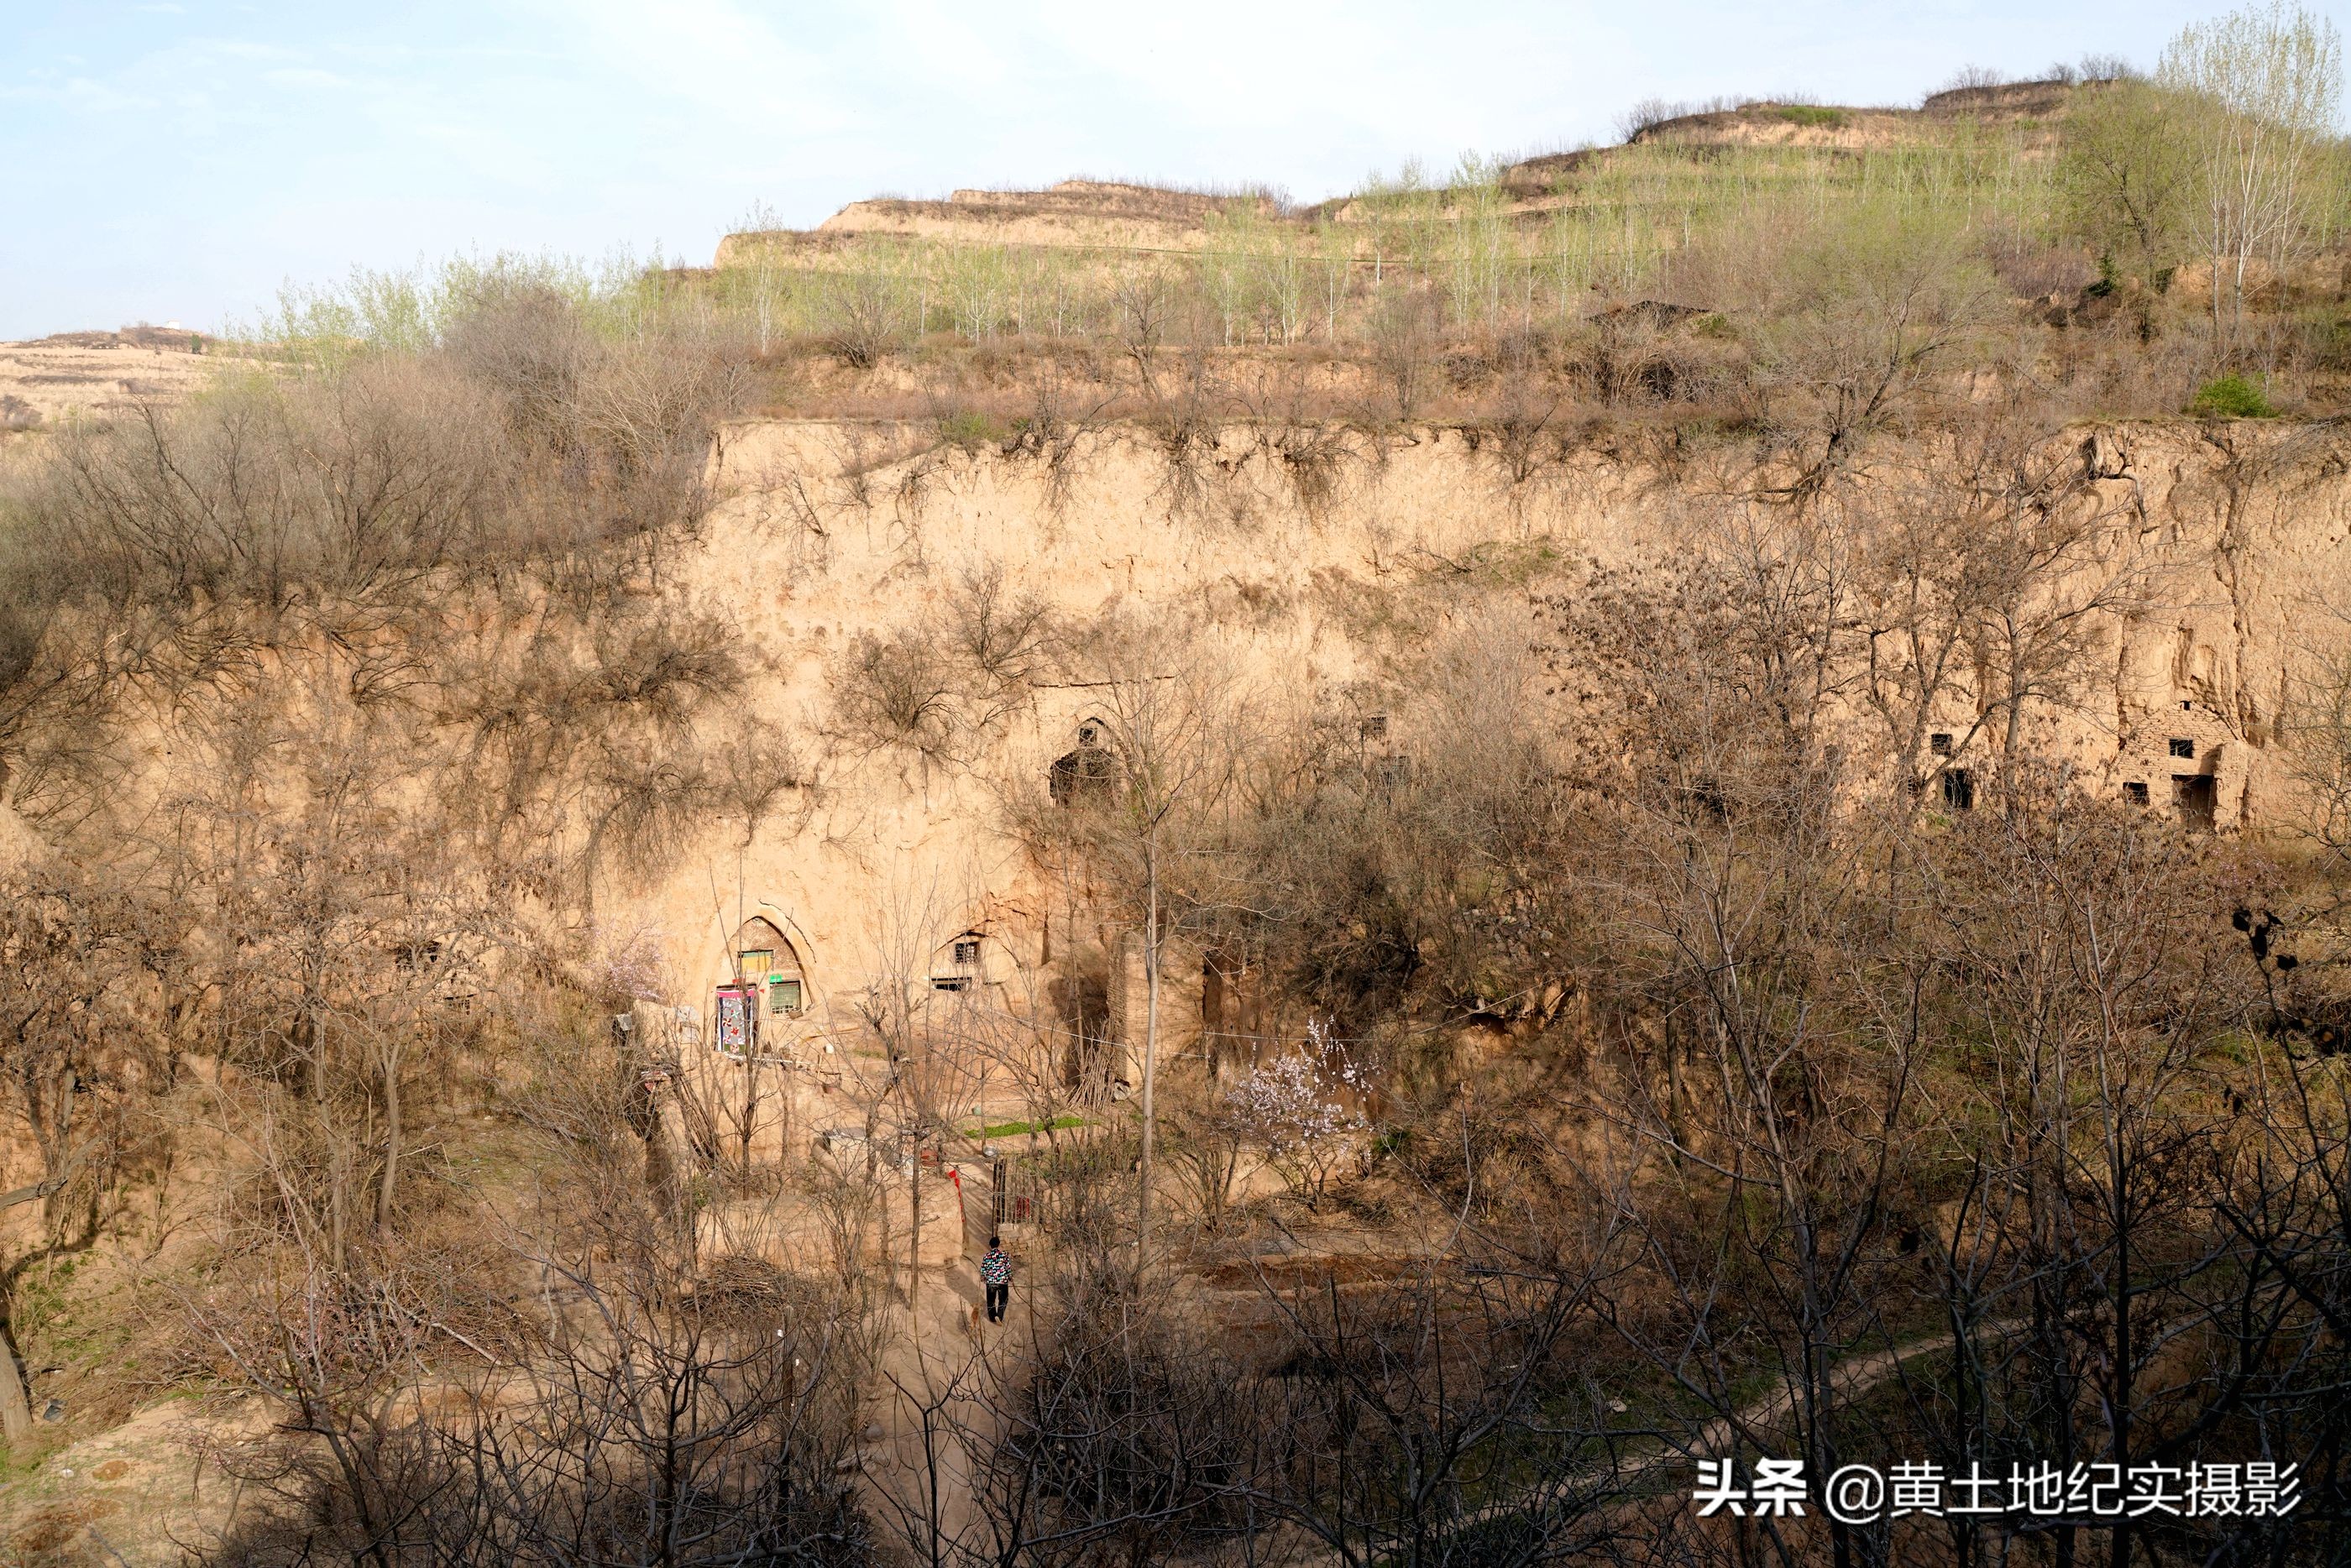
722, 57
86, 96
305, 76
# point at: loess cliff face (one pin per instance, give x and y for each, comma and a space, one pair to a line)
1313, 573
1316, 585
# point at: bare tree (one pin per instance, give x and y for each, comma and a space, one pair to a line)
78, 960
1979, 584
1144, 299
1171, 720
619, 1390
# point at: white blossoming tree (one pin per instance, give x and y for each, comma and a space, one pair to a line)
1294, 1106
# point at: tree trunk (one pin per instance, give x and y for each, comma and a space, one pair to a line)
15, 1399
339, 1184
2119, 1199
391, 1184
16, 1404
748, 1128
1149, 1057
881, 1209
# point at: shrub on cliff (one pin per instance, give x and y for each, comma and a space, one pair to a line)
2230, 397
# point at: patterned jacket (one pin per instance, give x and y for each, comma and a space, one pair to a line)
996, 1268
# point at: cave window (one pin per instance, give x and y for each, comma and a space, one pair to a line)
2134, 792
1940, 742
1959, 790
1372, 727
2198, 796
963, 965
783, 994
756, 964
2181, 746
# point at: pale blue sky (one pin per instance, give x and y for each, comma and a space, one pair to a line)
178, 160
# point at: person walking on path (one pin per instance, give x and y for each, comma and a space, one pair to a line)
995, 1272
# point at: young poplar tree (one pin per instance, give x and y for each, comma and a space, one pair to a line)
2264, 86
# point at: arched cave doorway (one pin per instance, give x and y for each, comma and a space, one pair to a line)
764, 962
1083, 776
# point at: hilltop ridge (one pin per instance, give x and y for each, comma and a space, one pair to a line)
1105, 214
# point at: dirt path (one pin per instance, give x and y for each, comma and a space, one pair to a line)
933, 1392
1851, 1376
